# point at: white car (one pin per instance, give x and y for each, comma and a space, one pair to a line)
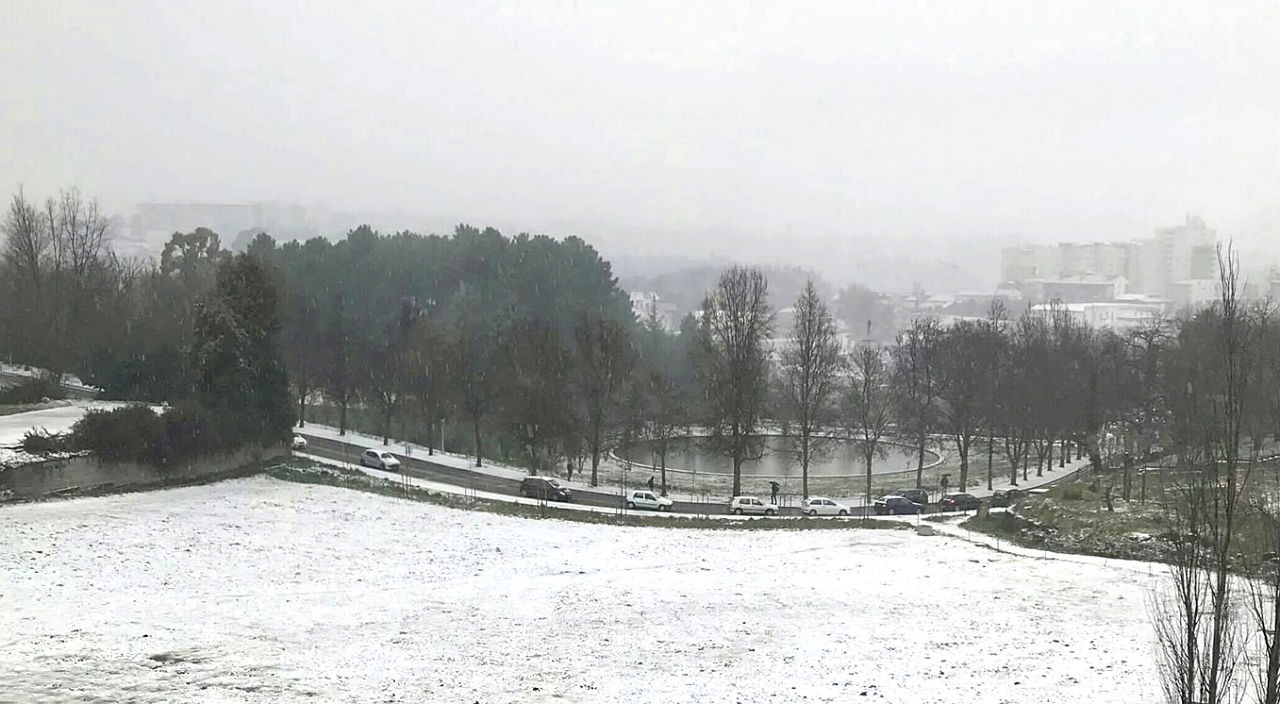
379, 459
649, 500
299, 442
822, 506
749, 504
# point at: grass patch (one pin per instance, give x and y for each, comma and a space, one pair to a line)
306, 472
1074, 518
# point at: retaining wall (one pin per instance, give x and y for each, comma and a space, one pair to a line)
89, 475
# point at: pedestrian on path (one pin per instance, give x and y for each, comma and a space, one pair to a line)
773, 492
650, 482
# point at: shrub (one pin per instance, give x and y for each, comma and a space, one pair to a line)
190, 429
40, 442
128, 434
32, 391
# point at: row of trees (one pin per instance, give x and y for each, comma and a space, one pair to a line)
1216, 401
531, 343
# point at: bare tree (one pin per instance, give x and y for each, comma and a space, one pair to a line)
732, 364
914, 377
603, 362
869, 406
428, 360
665, 417
810, 364
1207, 384
961, 373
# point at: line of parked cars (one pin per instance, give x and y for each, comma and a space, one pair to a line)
899, 502
913, 501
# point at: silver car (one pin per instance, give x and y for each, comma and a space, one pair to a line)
647, 499
751, 505
822, 506
379, 459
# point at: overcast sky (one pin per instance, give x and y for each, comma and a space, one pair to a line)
802, 127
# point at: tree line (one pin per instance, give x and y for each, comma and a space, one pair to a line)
529, 343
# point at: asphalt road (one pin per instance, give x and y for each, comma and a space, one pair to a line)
482, 481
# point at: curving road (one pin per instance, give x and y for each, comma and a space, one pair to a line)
424, 468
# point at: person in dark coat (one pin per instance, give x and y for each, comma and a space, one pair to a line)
773, 492
650, 482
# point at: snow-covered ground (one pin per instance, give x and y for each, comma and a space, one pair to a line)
258, 590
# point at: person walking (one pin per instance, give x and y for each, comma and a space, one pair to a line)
773, 492
650, 482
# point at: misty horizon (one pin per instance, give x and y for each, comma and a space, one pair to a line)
847, 140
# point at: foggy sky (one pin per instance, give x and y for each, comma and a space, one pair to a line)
781, 131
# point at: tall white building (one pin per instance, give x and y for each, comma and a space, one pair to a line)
1153, 265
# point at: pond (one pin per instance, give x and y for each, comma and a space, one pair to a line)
842, 458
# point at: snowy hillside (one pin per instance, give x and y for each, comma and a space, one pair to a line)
263, 591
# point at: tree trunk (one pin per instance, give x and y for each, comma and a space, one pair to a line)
737, 475
991, 439
431, 435
867, 501
804, 464
475, 425
595, 464
386, 425
302, 408
920, 461
1062, 455
663, 468
342, 417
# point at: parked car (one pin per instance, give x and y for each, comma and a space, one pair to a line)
959, 502
545, 489
822, 506
919, 496
896, 505
299, 442
1005, 497
749, 504
379, 459
647, 499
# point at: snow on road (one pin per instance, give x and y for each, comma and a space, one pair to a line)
257, 590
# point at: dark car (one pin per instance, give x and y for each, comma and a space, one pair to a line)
919, 496
959, 502
1005, 497
545, 489
896, 505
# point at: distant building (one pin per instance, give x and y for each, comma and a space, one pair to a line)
1171, 256
646, 303
1116, 315
1081, 290
1194, 293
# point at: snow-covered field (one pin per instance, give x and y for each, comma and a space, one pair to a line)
258, 590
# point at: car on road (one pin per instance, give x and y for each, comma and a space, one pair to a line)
379, 459
545, 489
647, 499
959, 502
740, 505
299, 442
896, 505
822, 506
919, 496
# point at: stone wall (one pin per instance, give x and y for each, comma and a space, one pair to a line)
89, 475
